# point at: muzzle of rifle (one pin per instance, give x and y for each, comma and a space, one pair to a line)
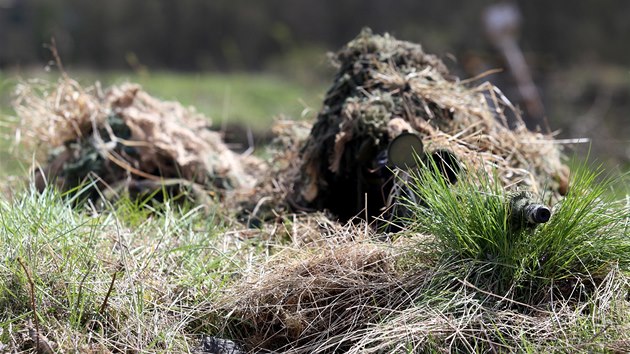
536, 213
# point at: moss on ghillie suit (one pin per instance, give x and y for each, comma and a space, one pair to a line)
122, 140
384, 88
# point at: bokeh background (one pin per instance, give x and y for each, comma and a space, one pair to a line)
247, 62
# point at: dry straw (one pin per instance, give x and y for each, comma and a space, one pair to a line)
305, 296
349, 294
385, 86
158, 140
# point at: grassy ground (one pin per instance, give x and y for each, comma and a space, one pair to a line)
155, 278
133, 279
144, 277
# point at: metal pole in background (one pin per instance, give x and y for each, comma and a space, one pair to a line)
502, 22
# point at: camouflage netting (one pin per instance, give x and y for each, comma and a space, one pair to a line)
125, 140
384, 87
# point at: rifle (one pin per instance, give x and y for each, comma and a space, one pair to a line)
525, 213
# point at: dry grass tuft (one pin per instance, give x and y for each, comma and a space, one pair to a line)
308, 296
367, 297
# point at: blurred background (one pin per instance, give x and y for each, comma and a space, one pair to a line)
564, 63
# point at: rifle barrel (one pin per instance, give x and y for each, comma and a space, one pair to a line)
537, 213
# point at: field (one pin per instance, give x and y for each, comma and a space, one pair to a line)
142, 276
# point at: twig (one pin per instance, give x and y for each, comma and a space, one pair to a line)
482, 75
32, 293
81, 284
367, 220
55, 54
123, 164
109, 291
599, 333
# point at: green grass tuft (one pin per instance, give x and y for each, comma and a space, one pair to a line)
587, 235
163, 263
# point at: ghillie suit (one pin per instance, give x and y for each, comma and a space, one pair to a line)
385, 87
124, 141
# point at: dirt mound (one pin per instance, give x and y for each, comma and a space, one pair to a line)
385, 87
122, 139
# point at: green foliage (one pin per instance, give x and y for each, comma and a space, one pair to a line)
589, 232
499, 283
587, 235
30, 226
161, 270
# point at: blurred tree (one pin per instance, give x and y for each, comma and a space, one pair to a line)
242, 34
